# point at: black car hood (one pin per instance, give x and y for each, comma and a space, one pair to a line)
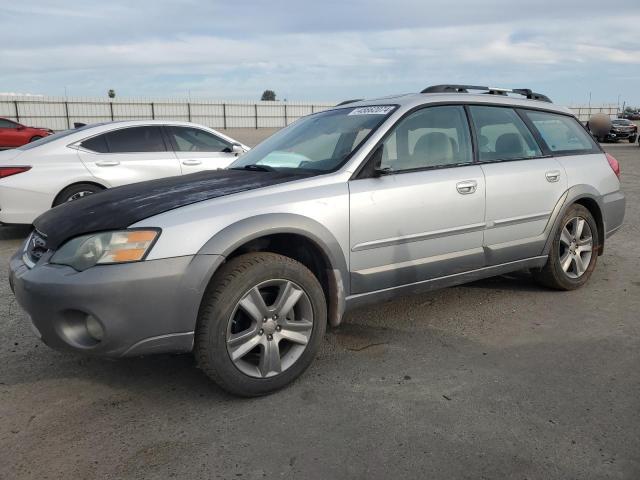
120, 207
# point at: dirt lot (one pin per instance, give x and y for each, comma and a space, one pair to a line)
496, 379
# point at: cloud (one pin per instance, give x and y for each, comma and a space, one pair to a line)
319, 50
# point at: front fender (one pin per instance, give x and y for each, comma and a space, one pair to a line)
233, 236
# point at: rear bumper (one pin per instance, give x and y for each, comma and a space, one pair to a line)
145, 307
19, 206
613, 206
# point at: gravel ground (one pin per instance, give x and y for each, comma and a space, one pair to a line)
495, 379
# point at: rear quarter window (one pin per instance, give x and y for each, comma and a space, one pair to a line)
96, 144
561, 133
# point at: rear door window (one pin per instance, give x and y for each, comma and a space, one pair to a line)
561, 133
136, 140
502, 135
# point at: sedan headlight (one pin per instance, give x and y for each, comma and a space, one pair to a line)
105, 248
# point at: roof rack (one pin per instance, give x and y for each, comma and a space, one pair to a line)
489, 90
349, 101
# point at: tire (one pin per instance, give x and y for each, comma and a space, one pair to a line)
553, 275
33, 139
633, 138
74, 192
222, 317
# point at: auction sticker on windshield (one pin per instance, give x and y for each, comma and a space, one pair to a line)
373, 110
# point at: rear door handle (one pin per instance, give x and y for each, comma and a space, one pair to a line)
466, 187
107, 163
191, 162
552, 176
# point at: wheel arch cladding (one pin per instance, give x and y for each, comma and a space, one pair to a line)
297, 237
588, 197
594, 208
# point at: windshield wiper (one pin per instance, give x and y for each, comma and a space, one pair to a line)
256, 168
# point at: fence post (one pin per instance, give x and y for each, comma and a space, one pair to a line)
153, 112
111, 109
286, 121
224, 115
66, 111
255, 107
312, 109
189, 111
15, 104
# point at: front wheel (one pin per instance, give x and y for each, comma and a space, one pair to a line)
574, 251
260, 324
33, 139
633, 138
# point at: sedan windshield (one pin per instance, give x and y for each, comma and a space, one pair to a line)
321, 142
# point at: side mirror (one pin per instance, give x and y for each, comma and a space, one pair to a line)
20, 127
237, 149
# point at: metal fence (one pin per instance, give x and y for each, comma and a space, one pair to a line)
584, 112
59, 113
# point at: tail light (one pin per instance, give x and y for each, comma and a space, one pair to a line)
613, 163
8, 171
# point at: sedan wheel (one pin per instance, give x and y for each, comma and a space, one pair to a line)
76, 192
78, 195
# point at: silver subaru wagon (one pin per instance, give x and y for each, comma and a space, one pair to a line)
360, 203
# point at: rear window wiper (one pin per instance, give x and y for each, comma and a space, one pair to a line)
256, 168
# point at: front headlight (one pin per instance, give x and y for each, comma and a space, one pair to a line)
105, 248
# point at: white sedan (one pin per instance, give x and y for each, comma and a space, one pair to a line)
74, 163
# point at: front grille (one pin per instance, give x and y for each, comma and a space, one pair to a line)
36, 247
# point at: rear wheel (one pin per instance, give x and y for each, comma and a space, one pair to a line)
260, 324
75, 192
574, 251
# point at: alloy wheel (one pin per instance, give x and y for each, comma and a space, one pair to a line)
576, 247
78, 195
269, 328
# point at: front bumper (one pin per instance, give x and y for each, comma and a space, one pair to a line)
621, 135
144, 307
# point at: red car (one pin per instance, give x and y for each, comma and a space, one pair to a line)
13, 134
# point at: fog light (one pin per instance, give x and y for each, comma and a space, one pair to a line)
94, 329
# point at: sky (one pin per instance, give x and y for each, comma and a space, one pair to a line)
320, 50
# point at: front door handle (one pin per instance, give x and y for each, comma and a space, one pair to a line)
552, 176
466, 187
107, 163
191, 162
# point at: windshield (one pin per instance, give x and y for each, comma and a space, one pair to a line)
321, 142
56, 136
621, 122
